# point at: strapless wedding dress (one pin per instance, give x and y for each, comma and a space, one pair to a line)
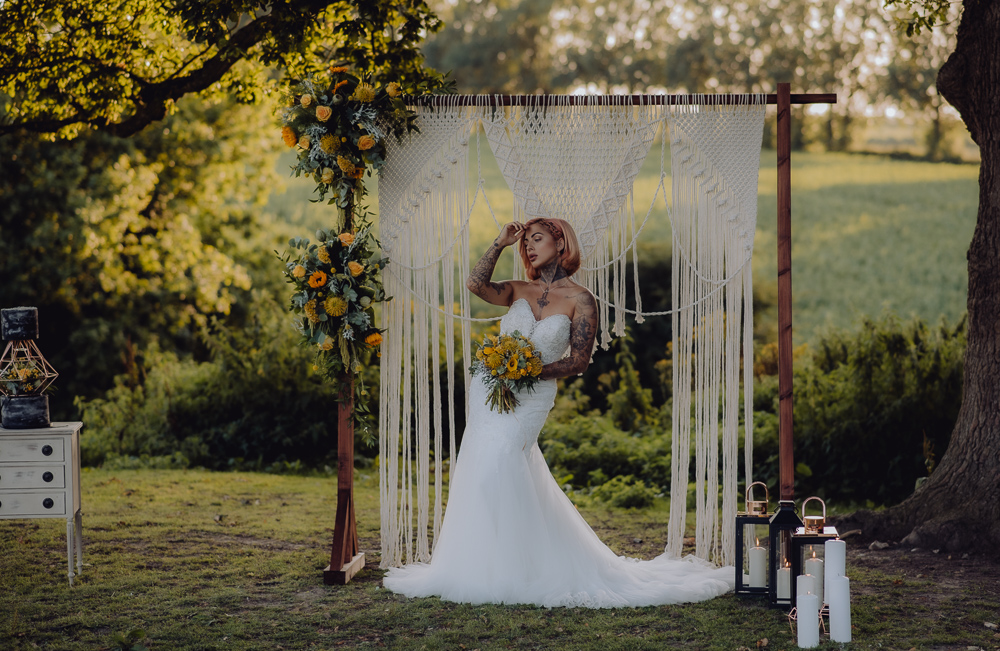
511, 536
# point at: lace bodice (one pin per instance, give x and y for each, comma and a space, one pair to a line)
550, 335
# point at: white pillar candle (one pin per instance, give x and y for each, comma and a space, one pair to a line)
839, 589
814, 566
758, 567
807, 620
785, 582
805, 584
835, 563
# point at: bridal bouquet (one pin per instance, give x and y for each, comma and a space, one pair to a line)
508, 363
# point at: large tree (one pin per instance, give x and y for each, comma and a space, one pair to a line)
958, 507
119, 66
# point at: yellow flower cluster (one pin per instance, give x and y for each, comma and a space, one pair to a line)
335, 306
324, 255
346, 166
329, 144
509, 357
363, 93
310, 309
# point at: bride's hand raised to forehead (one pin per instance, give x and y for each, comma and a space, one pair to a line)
510, 234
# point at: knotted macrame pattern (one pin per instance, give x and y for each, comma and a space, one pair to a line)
577, 162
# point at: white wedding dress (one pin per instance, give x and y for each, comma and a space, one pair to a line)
511, 536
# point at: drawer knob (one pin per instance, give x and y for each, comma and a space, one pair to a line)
47, 450
47, 476
48, 503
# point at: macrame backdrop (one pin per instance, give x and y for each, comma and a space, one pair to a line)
576, 162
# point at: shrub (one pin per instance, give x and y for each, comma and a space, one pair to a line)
625, 492
255, 404
871, 410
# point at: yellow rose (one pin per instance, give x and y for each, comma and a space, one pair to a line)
393, 90
346, 166
306, 101
323, 113
326, 345
356, 268
365, 143
299, 271
346, 239
304, 142
288, 135
327, 176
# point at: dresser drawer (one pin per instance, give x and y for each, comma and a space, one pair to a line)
20, 504
34, 476
35, 449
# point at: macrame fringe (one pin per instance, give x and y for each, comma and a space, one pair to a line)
575, 162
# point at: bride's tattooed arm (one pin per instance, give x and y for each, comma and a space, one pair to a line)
480, 280
583, 332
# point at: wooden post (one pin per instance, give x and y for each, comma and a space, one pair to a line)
786, 465
345, 560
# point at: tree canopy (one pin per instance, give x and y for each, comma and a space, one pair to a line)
117, 67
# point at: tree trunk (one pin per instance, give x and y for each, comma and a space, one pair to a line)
958, 507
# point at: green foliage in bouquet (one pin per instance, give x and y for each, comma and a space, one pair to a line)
339, 125
336, 284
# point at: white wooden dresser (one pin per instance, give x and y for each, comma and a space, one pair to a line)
40, 478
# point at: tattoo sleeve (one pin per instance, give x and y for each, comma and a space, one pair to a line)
479, 281
583, 332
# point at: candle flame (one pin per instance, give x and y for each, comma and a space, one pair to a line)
756, 541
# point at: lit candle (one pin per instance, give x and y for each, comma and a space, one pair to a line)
807, 620
814, 566
758, 566
785, 582
839, 589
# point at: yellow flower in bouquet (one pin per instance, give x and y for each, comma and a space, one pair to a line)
346, 239
317, 279
323, 255
393, 89
288, 135
346, 166
356, 268
335, 306
299, 271
374, 339
310, 309
366, 142
363, 93
323, 113
509, 364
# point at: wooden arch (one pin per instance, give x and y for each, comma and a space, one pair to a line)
345, 557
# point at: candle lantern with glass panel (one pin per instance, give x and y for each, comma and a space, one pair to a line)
783, 523
752, 537
808, 549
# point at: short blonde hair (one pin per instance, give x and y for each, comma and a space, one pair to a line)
560, 229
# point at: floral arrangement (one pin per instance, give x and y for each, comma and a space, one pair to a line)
23, 378
508, 363
339, 125
336, 284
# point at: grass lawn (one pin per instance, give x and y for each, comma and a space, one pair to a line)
200, 560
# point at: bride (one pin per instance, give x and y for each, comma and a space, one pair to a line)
510, 535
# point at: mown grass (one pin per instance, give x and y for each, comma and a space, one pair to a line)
869, 233
202, 560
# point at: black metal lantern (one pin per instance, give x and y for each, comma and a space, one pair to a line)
782, 525
25, 374
752, 529
808, 549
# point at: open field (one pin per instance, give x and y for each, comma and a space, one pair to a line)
870, 233
201, 561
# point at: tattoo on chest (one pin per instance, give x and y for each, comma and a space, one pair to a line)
543, 300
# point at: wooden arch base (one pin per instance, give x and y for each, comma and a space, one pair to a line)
345, 559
